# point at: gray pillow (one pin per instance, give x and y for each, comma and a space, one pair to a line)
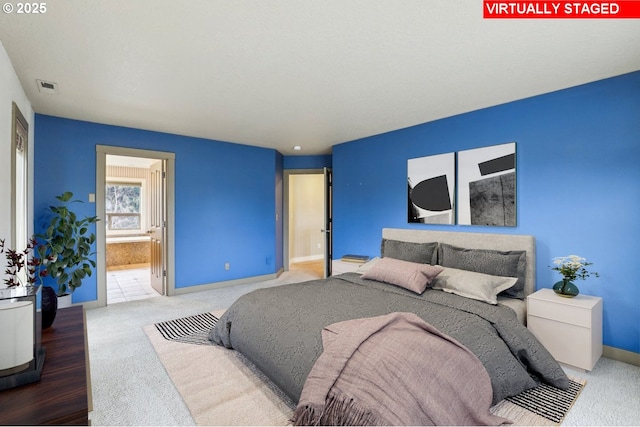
424, 253
486, 261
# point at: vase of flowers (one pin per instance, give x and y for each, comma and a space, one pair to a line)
25, 269
571, 267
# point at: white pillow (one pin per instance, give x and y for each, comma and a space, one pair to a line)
367, 265
469, 284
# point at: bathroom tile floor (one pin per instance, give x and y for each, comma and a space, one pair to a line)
128, 284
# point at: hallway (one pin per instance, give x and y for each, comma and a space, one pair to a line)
315, 267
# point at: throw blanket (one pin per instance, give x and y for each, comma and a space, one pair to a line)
394, 369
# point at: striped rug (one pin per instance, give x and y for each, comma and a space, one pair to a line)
547, 401
189, 330
542, 405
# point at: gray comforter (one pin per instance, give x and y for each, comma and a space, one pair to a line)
279, 330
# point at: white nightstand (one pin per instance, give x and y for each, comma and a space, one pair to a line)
570, 328
338, 267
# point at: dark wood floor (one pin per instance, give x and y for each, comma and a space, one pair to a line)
60, 397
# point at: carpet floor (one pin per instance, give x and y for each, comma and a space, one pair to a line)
227, 389
130, 385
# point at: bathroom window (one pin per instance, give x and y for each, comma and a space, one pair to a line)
124, 207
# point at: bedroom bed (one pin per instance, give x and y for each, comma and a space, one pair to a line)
475, 294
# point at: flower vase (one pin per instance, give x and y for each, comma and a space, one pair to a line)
566, 288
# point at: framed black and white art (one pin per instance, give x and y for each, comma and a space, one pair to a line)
431, 187
487, 186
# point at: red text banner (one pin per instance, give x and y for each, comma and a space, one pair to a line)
625, 9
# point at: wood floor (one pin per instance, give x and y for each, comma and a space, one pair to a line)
315, 267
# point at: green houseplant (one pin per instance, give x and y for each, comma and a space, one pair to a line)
65, 246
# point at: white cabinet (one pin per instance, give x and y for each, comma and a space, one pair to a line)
339, 267
570, 328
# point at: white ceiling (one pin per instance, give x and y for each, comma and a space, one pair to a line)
278, 73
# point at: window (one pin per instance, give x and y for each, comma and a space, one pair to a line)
19, 174
124, 206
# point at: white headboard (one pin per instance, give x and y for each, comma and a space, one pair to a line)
499, 242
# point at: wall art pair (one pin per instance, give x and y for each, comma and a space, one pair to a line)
486, 187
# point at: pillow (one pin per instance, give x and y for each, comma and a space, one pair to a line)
409, 275
424, 253
495, 263
367, 265
469, 284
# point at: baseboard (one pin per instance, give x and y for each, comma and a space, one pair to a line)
88, 304
226, 283
621, 355
306, 258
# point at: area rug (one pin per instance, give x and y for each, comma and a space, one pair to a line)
222, 387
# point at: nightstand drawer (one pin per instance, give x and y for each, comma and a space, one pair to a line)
568, 344
560, 312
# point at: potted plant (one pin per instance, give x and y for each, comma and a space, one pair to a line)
65, 246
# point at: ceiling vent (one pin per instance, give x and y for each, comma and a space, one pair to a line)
47, 87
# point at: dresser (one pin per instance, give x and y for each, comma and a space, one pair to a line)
63, 395
570, 328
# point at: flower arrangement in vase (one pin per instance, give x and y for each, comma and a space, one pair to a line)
27, 268
571, 267
22, 269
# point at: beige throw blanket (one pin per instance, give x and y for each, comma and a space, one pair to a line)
394, 369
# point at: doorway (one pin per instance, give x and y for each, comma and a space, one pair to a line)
130, 183
134, 200
307, 221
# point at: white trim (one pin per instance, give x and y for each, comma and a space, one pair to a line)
307, 258
101, 162
227, 283
128, 239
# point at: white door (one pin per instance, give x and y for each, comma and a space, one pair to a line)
157, 227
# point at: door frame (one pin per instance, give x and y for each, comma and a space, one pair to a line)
101, 240
285, 209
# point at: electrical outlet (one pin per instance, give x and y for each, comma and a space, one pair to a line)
227, 266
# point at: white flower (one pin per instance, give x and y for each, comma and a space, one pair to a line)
572, 267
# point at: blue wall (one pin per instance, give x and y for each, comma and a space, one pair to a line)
225, 204
577, 185
307, 162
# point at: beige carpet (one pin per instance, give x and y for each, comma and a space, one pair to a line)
220, 387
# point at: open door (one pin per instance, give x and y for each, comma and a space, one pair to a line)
328, 222
157, 227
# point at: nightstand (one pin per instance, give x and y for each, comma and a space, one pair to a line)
338, 267
570, 328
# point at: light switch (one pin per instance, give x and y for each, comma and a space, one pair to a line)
92, 198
